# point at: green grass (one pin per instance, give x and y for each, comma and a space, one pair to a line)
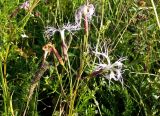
126, 27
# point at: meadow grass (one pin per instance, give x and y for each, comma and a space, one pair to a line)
105, 63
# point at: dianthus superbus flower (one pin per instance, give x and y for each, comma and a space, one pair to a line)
108, 70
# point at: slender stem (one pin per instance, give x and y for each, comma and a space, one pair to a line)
57, 55
64, 46
84, 47
102, 10
26, 18
155, 12
6, 96
86, 25
99, 34
5, 61
87, 2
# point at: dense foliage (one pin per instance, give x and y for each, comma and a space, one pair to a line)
102, 57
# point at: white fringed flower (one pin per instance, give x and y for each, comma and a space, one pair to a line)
78, 14
109, 70
90, 11
50, 31
25, 5
87, 10
71, 27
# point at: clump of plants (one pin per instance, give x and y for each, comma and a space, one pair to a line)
79, 57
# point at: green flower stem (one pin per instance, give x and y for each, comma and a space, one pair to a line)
6, 95
83, 56
156, 14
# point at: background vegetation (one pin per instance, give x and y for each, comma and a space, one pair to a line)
129, 28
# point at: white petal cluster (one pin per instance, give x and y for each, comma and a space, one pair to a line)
109, 70
88, 10
50, 31
25, 5
72, 27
